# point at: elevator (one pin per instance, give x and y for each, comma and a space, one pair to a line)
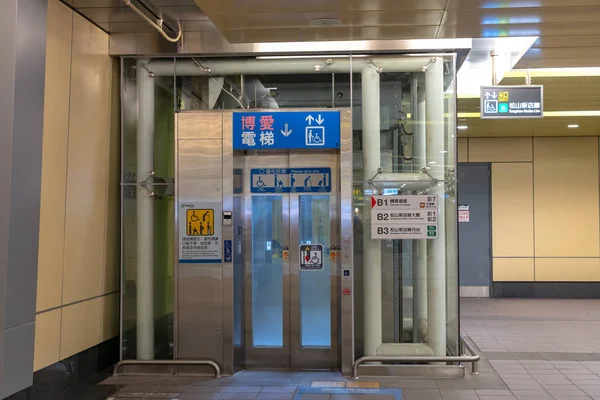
291, 287
253, 231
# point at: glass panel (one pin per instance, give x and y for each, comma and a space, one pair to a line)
267, 272
164, 214
315, 286
404, 128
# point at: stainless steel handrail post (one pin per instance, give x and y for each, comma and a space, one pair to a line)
210, 363
467, 346
473, 359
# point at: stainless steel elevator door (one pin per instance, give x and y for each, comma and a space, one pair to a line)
291, 316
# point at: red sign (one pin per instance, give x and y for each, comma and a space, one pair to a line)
346, 291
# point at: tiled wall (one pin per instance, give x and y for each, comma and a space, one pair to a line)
545, 206
78, 267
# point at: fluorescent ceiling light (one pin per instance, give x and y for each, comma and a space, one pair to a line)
311, 56
573, 126
462, 127
554, 72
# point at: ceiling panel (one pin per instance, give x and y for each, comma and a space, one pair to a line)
125, 14
555, 126
569, 30
214, 8
355, 19
517, 4
575, 93
119, 3
464, 30
336, 33
519, 16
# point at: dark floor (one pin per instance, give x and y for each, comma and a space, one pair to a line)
531, 350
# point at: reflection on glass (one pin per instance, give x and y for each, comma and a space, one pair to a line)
267, 272
315, 286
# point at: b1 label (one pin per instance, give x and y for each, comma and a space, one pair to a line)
404, 217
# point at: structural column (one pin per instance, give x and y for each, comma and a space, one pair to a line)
22, 71
371, 151
436, 249
420, 278
145, 213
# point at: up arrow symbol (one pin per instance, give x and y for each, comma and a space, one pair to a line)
487, 95
287, 132
320, 120
310, 119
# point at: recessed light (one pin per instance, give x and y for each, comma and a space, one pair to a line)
572, 126
322, 22
462, 127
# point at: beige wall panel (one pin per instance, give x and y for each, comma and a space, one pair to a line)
88, 155
513, 270
80, 327
566, 197
500, 149
112, 264
110, 317
567, 269
463, 150
512, 210
54, 156
47, 339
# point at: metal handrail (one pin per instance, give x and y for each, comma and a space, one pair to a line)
210, 363
473, 359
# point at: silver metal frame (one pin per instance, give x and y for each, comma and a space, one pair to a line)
175, 363
473, 359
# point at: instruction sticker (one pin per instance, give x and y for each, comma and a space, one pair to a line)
200, 233
311, 257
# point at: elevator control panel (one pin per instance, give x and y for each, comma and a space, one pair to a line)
227, 218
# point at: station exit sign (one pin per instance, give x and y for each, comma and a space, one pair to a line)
510, 102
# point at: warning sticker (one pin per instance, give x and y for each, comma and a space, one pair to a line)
311, 257
199, 235
200, 222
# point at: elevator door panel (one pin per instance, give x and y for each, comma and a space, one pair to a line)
291, 313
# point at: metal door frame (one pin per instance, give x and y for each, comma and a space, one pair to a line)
292, 355
491, 250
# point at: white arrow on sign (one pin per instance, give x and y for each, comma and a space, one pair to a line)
310, 119
494, 96
487, 95
320, 120
287, 132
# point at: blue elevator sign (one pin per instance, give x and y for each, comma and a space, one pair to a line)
286, 130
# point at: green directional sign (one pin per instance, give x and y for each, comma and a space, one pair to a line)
431, 231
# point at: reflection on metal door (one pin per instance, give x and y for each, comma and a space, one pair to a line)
291, 312
474, 229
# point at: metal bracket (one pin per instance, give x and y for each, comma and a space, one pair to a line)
318, 67
150, 73
378, 68
426, 67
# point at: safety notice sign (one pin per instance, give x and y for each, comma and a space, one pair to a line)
200, 233
404, 217
311, 257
